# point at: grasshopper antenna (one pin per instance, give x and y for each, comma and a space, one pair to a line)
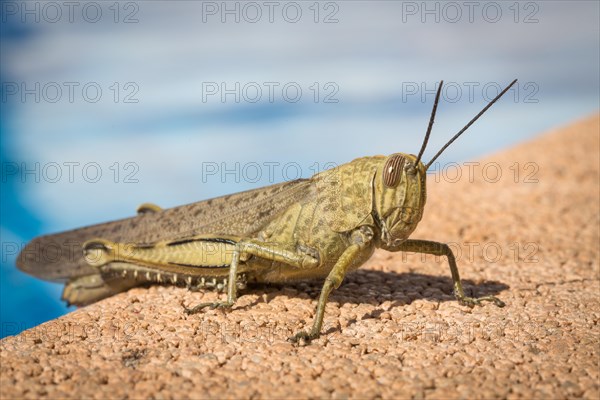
469, 124
426, 139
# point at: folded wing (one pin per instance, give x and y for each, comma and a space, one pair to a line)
59, 256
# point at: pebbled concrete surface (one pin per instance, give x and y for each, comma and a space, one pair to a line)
393, 329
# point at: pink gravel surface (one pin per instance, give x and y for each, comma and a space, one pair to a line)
393, 329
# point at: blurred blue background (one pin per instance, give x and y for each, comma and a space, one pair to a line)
108, 105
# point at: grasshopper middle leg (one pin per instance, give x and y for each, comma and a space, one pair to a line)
333, 281
361, 238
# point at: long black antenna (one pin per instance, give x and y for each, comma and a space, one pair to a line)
426, 139
469, 124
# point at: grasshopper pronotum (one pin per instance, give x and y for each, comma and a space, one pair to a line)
321, 227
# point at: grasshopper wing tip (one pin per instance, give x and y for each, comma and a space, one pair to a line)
28, 258
51, 258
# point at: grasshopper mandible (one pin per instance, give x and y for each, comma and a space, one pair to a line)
322, 227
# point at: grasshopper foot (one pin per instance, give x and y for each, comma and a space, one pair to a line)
212, 306
472, 301
304, 336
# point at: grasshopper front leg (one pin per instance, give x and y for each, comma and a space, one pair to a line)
441, 249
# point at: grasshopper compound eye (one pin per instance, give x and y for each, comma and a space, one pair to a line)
392, 170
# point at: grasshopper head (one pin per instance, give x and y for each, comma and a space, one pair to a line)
400, 196
400, 191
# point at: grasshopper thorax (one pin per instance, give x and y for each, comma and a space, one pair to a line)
399, 197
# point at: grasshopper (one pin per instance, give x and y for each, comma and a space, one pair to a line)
321, 227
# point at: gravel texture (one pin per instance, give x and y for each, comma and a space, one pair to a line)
393, 329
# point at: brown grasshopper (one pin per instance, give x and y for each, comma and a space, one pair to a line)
322, 227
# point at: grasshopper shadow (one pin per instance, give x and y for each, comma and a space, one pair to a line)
376, 287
